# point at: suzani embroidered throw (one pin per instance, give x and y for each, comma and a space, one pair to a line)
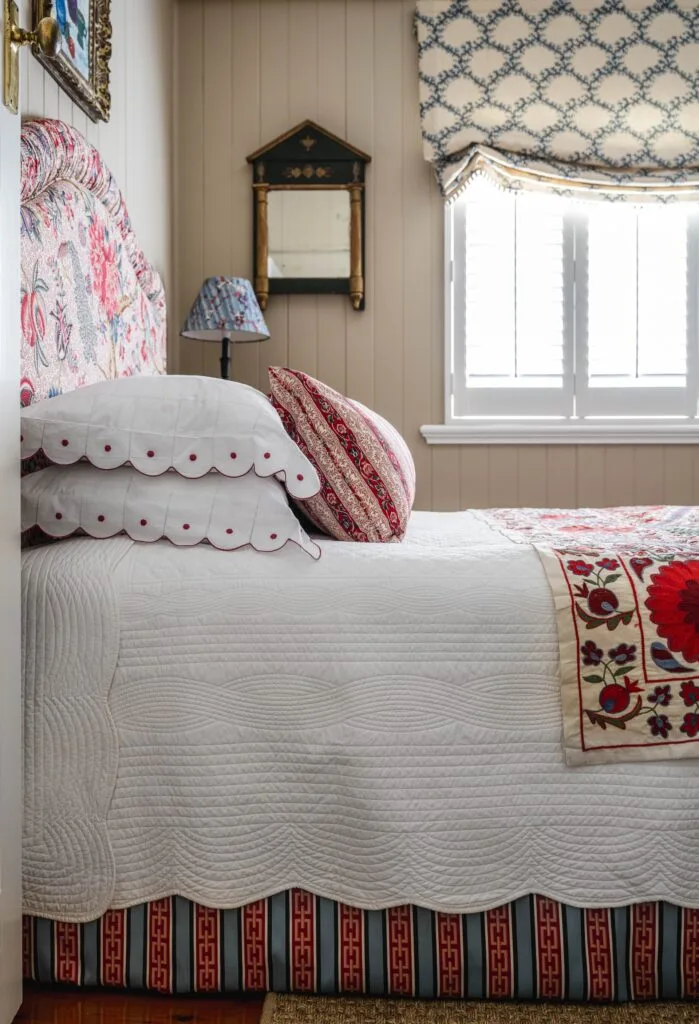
625, 584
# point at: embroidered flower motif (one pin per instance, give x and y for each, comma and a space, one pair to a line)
689, 692
591, 653
660, 696
660, 725
609, 564
580, 568
690, 724
673, 601
623, 654
614, 698
602, 601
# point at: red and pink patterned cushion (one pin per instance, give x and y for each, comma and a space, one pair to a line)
366, 470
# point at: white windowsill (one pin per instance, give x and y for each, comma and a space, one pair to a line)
538, 432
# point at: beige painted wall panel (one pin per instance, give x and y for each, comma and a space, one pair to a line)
136, 143
361, 118
275, 118
560, 488
303, 89
331, 113
244, 78
190, 156
351, 65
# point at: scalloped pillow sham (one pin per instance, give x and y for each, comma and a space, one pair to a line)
186, 423
227, 512
366, 471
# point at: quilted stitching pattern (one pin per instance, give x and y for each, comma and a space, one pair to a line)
402, 744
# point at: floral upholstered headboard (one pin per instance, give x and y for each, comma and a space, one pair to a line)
93, 308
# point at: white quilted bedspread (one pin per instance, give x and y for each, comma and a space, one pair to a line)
382, 726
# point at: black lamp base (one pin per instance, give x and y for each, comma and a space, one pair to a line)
225, 358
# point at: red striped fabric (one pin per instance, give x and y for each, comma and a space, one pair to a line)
255, 946
401, 967
113, 943
690, 953
207, 949
643, 951
303, 941
549, 948
351, 949
498, 941
159, 945
598, 945
450, 955
67, 952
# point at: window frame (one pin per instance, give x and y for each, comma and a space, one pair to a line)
595, 426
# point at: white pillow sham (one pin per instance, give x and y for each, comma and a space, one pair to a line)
227, 512
186, 423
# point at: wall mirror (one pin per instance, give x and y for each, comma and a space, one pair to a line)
308, 225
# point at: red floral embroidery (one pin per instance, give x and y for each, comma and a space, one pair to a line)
673, 601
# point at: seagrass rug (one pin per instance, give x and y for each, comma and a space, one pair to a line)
283, 1009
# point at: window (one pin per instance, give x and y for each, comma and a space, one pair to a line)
579, 316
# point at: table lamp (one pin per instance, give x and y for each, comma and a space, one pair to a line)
225, 310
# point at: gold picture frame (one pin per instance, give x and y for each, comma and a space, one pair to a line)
82, 67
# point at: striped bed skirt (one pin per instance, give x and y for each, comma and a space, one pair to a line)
532, 948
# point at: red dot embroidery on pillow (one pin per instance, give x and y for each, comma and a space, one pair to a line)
65, 442
299, 476
59, 515
268, 455
108, 447
234, 455
185, 526
192, 457
229, 530
272, 536
100, 519
144, 522
150, 454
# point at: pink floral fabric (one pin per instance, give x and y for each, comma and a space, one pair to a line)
366, 471
92, 307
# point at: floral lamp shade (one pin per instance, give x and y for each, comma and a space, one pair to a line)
226, 310
226, 307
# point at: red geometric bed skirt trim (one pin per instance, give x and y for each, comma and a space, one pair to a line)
532, 948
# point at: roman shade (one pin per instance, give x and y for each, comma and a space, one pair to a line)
591, 97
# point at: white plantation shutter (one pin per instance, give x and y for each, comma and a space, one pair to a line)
581, 311
636, 280
512, 271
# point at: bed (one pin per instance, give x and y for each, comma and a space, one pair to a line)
248, 773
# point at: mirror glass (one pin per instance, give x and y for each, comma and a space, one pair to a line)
309, 233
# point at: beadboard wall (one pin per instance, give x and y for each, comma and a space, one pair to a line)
247, 70
136, 142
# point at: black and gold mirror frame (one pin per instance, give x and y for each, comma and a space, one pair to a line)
309, 215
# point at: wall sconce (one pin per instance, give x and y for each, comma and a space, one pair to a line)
46, 37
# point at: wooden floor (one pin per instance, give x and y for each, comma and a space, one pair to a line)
55, 1006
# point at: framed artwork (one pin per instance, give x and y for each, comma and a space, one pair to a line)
82, 66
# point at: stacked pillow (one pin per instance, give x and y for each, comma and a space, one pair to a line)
190, 459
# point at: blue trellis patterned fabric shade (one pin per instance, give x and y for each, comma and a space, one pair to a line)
593, 96
226, 307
